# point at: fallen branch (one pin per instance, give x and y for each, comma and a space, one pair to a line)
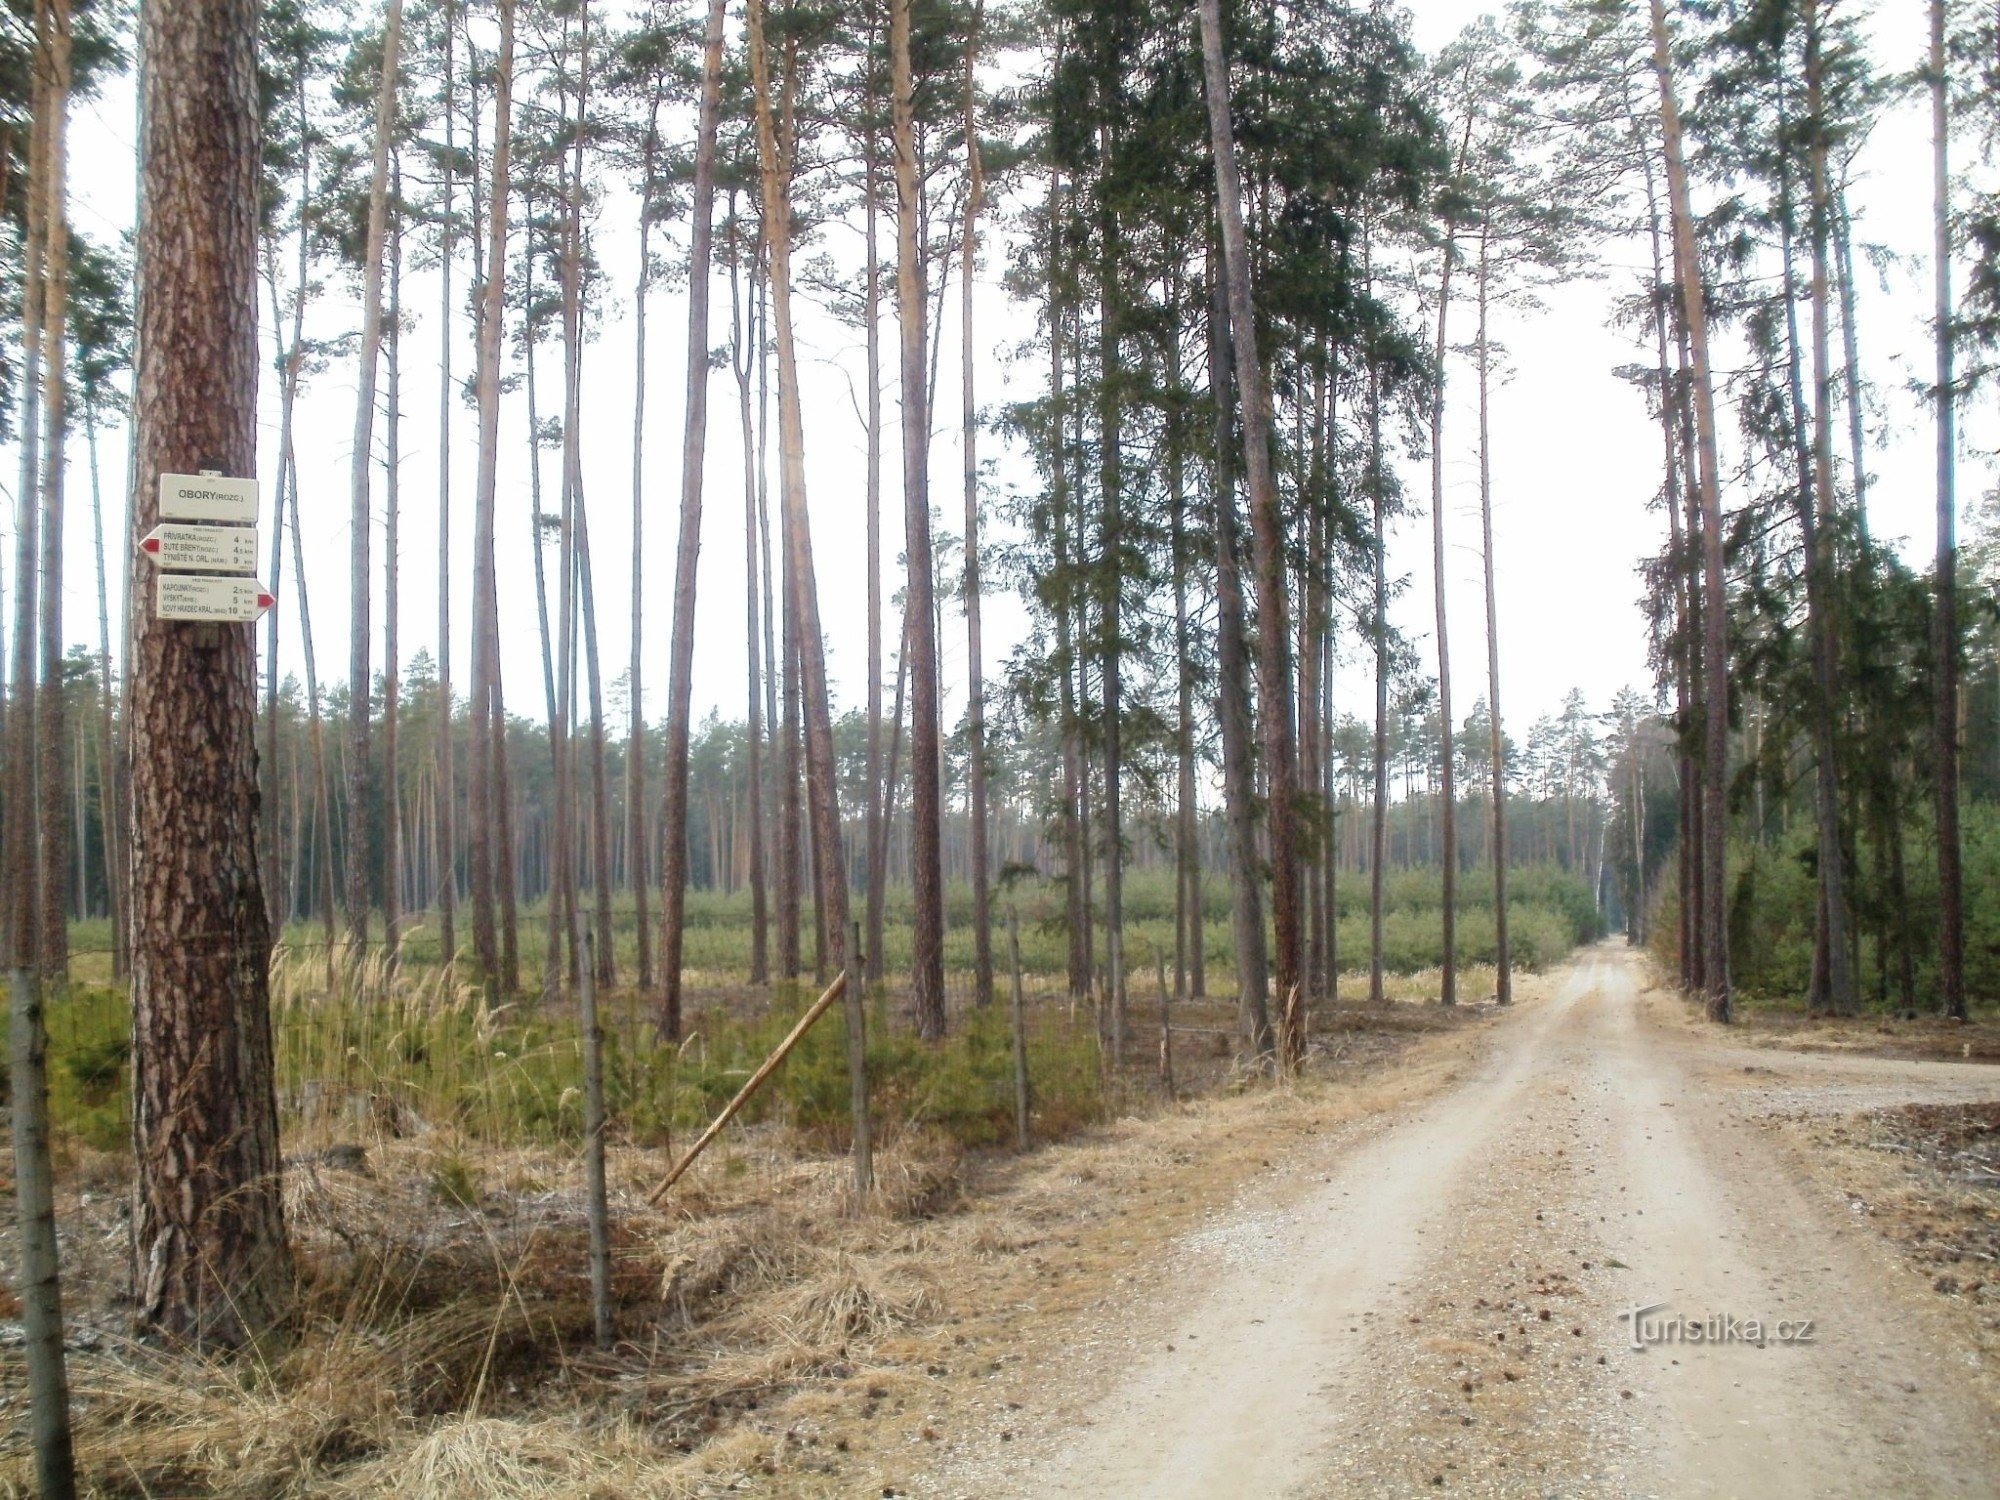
818, 1008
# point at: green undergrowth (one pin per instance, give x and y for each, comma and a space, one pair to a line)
1551, 911
409, 1058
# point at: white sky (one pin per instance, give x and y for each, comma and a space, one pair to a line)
1575, 460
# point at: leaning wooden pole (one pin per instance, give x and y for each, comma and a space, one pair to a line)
757, 1080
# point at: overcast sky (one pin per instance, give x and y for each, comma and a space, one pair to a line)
1575, 458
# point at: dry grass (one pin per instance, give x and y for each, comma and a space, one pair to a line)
773, 1339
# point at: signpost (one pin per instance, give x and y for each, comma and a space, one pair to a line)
189, 549
199, 596
206, 549
208, 497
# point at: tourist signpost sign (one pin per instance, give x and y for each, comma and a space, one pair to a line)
206, 549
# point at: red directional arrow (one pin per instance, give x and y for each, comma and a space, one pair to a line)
151, 544
265, 601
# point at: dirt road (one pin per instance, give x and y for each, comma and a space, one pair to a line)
1438, 1303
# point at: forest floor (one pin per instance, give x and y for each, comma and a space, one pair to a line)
1428, 1297
1401, 1274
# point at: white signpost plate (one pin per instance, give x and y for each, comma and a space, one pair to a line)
206, 549
208, 497
200, 596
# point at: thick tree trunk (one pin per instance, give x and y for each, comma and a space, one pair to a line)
926, 806
210, 1261
1267, 541
1715, 620
694, 438
1944, 582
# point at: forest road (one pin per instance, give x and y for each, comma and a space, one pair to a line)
1441, 1304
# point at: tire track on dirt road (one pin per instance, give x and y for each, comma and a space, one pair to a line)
1440, 1309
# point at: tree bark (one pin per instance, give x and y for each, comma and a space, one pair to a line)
1820, 554
1715, 619
1267, 540
876, 831
1503, 979
1232, 684
210, 1261
54, 799
926, 806
1447, 772
754, 605
776, 154
975, 712
447, 761
392, 671
355, 891
487, 779
1944, 616
636, 871
694, 438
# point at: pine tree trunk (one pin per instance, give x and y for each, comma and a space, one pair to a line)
447, 768
490, 855
876, 830
208, 1232
1944, 616
1232, 669
1715, 622
636, 870
24, 852
1821, 567
322, 790
776, 153
1447, 772
1267, 542
1503, 962
1111, 590
1378, 856
355, 891
1189, 975
1072, 738
754, 605
392, 681
107, 748
926, 806
53, 803
982, 935
694, 437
